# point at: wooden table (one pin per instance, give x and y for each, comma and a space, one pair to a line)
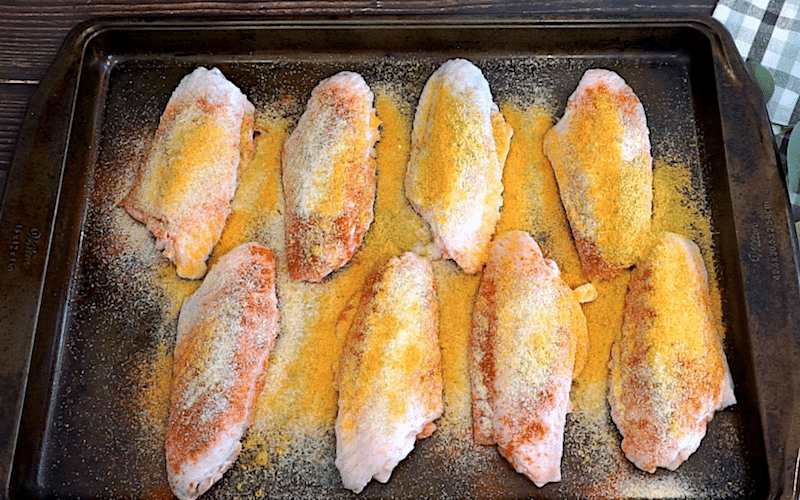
31, 31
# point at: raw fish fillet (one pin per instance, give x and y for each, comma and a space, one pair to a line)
329, 177
226, 331
528, 341
600, 153
668, 369
459, 145
184, 189
389, 376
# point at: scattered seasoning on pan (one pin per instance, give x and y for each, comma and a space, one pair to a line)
604, 322
299, 399
531, 201
679, 206
293, 427
256, 195
456, 291
155, 383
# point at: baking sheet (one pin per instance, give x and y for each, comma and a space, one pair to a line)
96, 321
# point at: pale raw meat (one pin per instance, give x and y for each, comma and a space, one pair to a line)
669, 373
528, 342
183, 191
459, 145
226, 331
600, 153
389, 376
329, 177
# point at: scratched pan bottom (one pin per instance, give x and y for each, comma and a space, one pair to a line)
81, 434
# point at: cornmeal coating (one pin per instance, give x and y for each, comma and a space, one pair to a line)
600, 153
329, 178
459, 145
226, 331
183, 191
668, 372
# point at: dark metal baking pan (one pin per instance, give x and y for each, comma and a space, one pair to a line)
65, 429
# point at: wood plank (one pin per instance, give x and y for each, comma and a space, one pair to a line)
13, 101
33, 30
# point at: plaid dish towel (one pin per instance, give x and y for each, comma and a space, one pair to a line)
768, 32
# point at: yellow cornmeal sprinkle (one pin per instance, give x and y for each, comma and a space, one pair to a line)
299, 395
456, 291
449, 164
170, 182
396, 227
436, 182
258, 192
156, 378
596, 178
603, 322
679, 305
502, 133
678, 209
524, 342
531, 201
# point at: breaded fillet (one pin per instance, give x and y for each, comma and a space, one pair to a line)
600, 153
184, 189
459, 144
329, 177
226, 331
528, 341
668, 370
389, 375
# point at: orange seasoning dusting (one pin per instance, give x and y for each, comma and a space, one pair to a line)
328, 176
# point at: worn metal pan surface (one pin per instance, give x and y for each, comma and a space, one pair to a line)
69, 333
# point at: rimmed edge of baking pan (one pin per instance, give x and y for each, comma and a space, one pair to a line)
764, 235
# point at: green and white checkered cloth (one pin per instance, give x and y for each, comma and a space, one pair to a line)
768, 32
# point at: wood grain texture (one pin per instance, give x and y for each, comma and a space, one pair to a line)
13, 101
31, 31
